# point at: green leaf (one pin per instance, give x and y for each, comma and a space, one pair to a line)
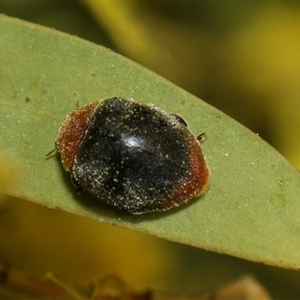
251, 209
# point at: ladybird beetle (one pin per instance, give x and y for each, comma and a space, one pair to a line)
133, 156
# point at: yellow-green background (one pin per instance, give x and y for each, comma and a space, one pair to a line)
242, 57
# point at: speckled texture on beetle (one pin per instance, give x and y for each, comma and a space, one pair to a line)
133, 156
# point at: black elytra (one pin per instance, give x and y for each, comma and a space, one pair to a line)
133, 156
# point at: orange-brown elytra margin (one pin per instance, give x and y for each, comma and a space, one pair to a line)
72, 132
195, 184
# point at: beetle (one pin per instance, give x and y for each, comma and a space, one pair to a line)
133, 156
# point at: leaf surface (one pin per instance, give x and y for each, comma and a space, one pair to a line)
251, 209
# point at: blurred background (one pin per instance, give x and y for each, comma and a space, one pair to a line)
242, 57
